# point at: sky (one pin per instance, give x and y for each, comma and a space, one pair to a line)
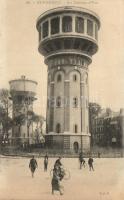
19, 48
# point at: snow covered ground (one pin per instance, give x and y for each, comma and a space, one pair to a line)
105, 183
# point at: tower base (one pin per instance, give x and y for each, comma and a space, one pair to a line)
68, 142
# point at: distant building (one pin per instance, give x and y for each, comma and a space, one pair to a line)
108, 129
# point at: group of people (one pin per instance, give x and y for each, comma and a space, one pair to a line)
58, 172
33, 164
83, 162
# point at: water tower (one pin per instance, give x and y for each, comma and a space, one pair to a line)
23, 93
68, 38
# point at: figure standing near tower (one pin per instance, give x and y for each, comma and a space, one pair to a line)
81, 160
58, 162
45, 162
90, 163
33, 165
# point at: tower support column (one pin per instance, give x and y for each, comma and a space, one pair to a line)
66, 109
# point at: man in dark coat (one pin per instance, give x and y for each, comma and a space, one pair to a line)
81, 160
58, 162
33, 165
90, 163
45, 162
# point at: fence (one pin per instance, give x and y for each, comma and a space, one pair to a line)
95, 152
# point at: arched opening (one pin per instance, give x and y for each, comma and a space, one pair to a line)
58, 128
79, 25
55, 25
59, 78
74, 77
45, 29
89, 27
76, 147
75, 128
58, 102
75, 102
67, 24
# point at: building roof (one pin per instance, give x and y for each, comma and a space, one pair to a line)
23, 78
112, 114
67, 9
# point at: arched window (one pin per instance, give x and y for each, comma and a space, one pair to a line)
79, 25
67, 24
74, 77
45, 29
75, 102
76, 147
59, 78
55, 25
89, 27
58, 102
58, 128
75, 128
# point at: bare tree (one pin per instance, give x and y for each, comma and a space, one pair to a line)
19, 121
94, 110
5, 109
39, 120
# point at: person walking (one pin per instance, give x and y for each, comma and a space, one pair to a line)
90, 163
56, 185
59, 166
81, 160
58, 162
45, 162
33, 165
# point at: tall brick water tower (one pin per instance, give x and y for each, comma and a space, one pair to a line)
68, 37
23, 93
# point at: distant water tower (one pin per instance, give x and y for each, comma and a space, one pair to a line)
23, 93
68, 37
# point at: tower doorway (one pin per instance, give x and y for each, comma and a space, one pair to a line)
76, 147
